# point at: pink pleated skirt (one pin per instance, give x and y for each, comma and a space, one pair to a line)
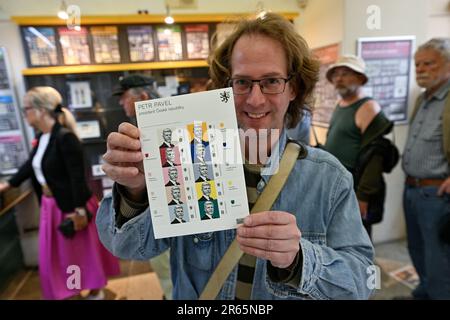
67, 266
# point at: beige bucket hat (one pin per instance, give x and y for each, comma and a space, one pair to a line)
352, 62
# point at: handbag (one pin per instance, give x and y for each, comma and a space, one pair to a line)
67, 227
263, 203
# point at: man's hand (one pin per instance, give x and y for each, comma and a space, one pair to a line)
4, 186
444, 188
123, 159
363, 207
270, 235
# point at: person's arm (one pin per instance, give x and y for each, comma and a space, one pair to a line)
444, 187
25, 172
336, 269
123, 219
365, 114
370, 182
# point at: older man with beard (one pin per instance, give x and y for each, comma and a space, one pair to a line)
357, 122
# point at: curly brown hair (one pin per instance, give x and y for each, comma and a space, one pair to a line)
302, 66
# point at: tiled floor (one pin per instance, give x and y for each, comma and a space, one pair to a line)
137, 281
390, 257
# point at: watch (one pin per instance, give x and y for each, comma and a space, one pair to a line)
81, 211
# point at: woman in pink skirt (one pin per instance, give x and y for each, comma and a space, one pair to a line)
68, 261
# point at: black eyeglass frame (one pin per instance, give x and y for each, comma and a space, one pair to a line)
286, 80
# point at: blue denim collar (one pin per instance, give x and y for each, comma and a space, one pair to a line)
277, 151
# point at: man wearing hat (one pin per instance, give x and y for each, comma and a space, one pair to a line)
357, 122
132, 89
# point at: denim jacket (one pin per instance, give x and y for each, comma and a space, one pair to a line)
335, 248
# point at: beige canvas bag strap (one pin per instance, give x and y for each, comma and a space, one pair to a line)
263, 203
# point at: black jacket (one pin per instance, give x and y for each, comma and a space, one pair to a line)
63, 169
377, 155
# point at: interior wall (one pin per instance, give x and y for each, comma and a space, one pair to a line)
398, 18
321, 23
119, 7
439, 18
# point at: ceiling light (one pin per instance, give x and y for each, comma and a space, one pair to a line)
168, 19
62, 13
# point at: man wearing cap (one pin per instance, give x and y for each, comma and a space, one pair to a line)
132, 89
426, 162
356, 122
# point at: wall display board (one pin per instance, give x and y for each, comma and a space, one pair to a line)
324, 94
13, 145
388, 66
169, 43
140, 41
74, 45
197, 41
41, 46
105, 44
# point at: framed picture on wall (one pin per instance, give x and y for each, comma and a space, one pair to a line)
325, 95
89, 129
80, 95
388, 66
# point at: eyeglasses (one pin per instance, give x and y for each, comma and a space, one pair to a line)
267, 85
25, 109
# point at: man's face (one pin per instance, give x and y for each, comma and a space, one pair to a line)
127, 100
173, 174
204, 170
209, 208
431, 69
179, 212
198, 132
206, 189
170, 154
258, 57
176, 193
346, 81
200, 151
167, 135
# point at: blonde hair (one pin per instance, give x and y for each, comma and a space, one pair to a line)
303, 68
49, 99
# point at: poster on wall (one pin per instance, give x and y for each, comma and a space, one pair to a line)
13, 136
169, 43
197, 41
4, 82
325, 96
8, 119
140, 41
105, 43
74, 45
388, 66
41, 46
